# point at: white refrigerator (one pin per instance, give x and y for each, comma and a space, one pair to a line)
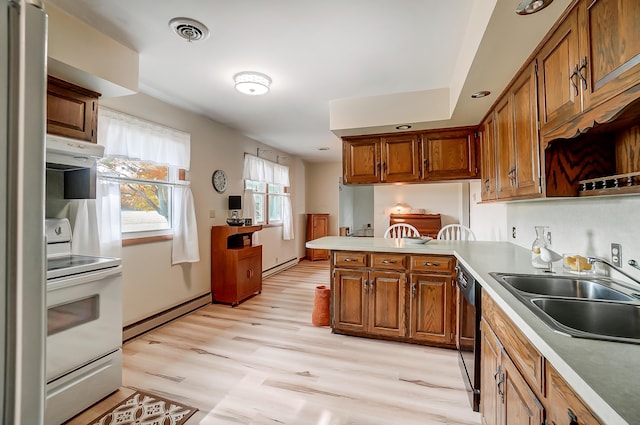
23, 39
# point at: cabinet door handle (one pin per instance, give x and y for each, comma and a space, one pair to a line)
573, 419
347, 260
426, 163
249, 273
389, 261
583, 65
573, 74
413, 290
426, 263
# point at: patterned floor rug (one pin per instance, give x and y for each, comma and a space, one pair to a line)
142, 408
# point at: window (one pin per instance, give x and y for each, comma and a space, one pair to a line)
145, 194
268, 200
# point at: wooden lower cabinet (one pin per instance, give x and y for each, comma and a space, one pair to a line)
431, 312
506, 398
563, 405
394, 296
369, 301
518, 386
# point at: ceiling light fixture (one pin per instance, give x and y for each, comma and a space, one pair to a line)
480, 94
252, 83
189, 29
403, 127
527, 7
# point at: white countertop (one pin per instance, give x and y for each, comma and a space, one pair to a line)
606, 375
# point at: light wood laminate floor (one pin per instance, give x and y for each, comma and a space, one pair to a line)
264, 363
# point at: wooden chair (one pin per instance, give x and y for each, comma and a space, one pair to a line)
456, 232
401, 230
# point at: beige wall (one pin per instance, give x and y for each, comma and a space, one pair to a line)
151, 284
323, 183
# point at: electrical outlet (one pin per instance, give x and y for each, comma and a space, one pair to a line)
616, 254
513, 232
549, 237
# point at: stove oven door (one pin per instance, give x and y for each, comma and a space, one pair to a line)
84, 319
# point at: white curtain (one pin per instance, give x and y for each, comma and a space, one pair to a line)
261, 170
84, 222
127, 136
134, 138
249, 211
287, 219
184, 227
108, 213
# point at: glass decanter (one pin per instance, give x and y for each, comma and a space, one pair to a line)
541, 241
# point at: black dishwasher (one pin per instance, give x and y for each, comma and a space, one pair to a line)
468, 333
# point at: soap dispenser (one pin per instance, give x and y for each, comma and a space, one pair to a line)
541, 241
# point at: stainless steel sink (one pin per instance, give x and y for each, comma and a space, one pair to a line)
563, 286
592, 319
595, 307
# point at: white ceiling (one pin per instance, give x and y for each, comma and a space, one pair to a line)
319, 51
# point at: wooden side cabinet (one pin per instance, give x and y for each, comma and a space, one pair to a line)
72, 111
317, 227
236, 265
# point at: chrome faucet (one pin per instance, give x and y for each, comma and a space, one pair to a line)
592, 260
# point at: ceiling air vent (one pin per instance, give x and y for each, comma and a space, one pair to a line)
189, 29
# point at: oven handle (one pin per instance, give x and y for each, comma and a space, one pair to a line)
82, 278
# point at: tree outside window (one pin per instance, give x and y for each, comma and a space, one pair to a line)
268, 199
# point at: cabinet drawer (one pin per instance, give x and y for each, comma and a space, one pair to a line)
350, 259
432, 263
388, 261
563, 403
526, 358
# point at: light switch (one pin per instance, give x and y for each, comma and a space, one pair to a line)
212, 213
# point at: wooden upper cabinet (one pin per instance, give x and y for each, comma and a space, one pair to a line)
72, 111
449, 155
505, 164
525, 134
488, 157
400, 158
559, 84
609, 48
362, 160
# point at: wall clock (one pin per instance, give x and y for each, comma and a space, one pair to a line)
219, 181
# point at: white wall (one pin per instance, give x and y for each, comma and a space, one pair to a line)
487, 220
151, 284
323, 185
584, 226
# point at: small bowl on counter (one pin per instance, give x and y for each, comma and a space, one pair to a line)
234, 221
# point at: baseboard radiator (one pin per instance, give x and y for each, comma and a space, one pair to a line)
152, 322
280, 267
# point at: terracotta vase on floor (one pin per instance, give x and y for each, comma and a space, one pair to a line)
320, 315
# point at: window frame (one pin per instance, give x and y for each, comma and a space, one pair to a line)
266, 196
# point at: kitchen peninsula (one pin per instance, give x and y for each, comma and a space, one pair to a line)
603, 374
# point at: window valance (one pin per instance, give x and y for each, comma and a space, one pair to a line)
134, 138
261, 170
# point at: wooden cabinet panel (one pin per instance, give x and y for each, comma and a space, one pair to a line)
559, 85
525, 134
432, 263
400, 159
249, 272
522, 352
521, 406
505, 164
449, 155
490, 370
72, 111
609, 48
563, 405
488, 168
317, 227
381, 260
344, 259
432, 307
349, 297
427, 224
362, 161
386, 303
